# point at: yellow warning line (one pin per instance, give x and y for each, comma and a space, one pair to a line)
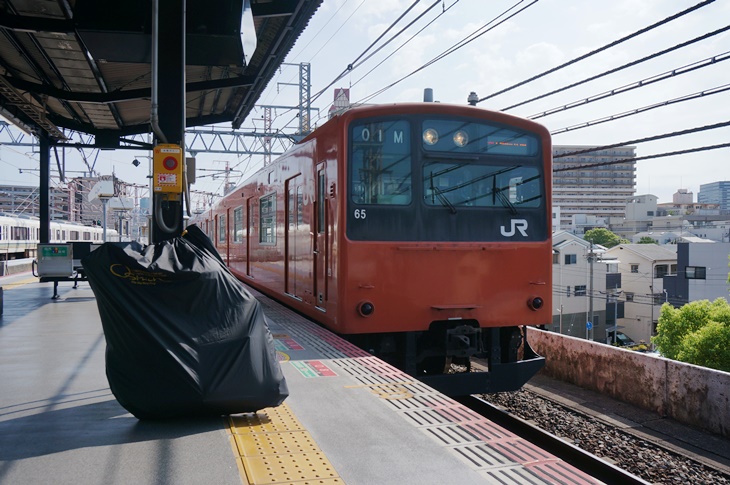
15, 284
274, 448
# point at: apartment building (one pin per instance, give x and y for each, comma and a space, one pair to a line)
592, 182
25, 200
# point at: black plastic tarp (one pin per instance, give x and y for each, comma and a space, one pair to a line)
184, 337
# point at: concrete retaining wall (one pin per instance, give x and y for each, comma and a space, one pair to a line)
15, 266
688, 393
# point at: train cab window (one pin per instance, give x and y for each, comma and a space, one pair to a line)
238, 224
471, 184
267, 219
468, 137
380, 162
222, 228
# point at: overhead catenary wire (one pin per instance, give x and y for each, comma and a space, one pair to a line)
605, 119
462, 43
352, 65
710, 61
645, 139
646, 157
600, 49
413, 36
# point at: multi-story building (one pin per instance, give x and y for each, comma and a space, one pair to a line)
25, 200
715, 193
592, 182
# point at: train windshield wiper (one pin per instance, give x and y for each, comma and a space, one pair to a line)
505, 201
442, 198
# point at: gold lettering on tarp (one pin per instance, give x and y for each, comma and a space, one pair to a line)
137, 276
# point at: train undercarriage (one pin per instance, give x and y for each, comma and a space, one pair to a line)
442, 356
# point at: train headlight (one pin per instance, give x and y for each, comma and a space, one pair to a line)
535, 302
365, 308
430, 136
461, 139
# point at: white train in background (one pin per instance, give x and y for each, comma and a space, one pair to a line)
20, 235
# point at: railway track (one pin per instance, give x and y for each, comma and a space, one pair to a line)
584, 461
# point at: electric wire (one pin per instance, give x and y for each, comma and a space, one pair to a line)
710, 61
689, 97
395, 51
462, 43
647, 157
646, 139
600, 49
354, 64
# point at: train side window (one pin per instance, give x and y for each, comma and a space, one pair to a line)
267, 219
222, 228
238, 224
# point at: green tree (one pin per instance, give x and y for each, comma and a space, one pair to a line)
709, 347
604, 237
697, 333
647, 240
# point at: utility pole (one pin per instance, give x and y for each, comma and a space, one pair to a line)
590, 297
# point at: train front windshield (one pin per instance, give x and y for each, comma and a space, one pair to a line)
433, 179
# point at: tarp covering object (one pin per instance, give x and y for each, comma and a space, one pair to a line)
184, 337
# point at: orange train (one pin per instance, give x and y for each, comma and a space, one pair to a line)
420, 231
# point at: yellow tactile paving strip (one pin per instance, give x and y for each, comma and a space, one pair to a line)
274, 448
15, 284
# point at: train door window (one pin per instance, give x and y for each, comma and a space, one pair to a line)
238, 224
321, 198
222, 228
380, 163
267, 219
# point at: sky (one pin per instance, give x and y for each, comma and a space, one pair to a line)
539, 36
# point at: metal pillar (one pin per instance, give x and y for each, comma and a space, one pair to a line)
45, 189
170, 89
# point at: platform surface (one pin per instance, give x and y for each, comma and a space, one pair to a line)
349, 418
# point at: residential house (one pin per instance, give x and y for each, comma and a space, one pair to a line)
642, 268
702, 273
580, 278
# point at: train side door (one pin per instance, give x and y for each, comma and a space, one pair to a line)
320, 239
295, 244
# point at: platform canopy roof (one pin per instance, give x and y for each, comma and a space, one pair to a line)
85, 65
